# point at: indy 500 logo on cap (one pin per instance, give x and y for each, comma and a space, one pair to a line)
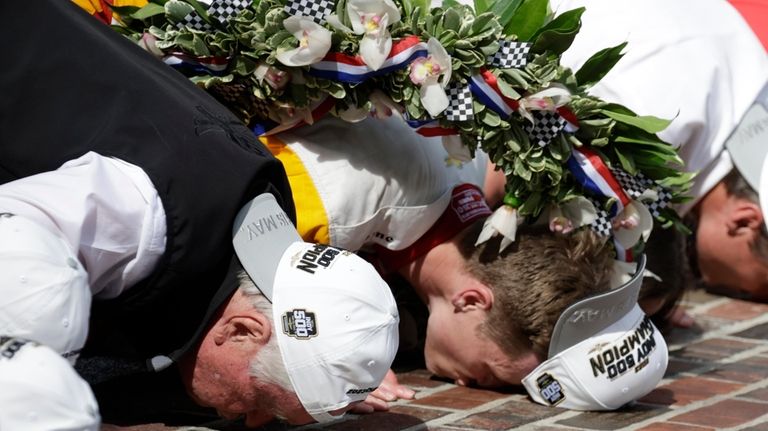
550, 389
300, 324
318, 256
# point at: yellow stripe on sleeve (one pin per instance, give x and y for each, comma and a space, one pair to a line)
311, 216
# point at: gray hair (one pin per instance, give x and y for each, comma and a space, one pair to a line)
267, 366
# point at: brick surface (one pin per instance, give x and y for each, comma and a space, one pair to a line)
717, 378
738, 310
725, 414
687, 390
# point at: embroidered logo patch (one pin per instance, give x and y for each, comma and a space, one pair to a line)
467, 203
550, 389
300, 324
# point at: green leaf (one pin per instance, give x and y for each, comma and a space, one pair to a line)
505, 10
599, 65
481, 6
559, 33
647, 123
528, 18
626, 160
507, 89
175, 9
149, 10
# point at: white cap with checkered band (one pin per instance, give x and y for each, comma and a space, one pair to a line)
604, 353
336, 320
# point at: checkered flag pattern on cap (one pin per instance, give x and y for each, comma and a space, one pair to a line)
546, 125
459, 102
602, 224
316, 10
511, 55
220, 10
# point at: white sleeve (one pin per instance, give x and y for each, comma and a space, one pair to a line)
41, 391
107, 210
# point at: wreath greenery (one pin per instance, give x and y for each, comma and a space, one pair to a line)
256, 84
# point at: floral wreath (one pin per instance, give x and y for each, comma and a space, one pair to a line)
486, 77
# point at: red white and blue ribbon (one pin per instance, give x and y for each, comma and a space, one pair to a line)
430, 128
590, 171
486, 90
209, 65
352, 69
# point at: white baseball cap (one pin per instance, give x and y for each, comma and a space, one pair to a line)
41, 391
336, 319
45, 288
748, 147
604, 353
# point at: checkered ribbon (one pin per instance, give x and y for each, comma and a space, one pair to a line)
459, 102
220, 10
636, 185
316, 10
664, 198
602, 224
546, 125
511, 55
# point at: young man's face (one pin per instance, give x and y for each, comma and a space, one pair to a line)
455, 349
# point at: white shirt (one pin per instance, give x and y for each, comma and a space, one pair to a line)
106, 209
696, 61
379, 181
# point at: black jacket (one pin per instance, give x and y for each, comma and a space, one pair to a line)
70, 84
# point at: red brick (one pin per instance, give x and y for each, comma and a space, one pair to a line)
667, 426
418, 379
614, 420
381, 421
714, 349
725, 414
460, 398
687, 390
758, 394
739, 372
738, 310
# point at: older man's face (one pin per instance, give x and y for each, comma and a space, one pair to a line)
727, 262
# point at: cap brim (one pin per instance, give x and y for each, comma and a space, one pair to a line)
261, 233
748, 143
592, 315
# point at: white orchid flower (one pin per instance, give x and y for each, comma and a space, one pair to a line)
383, 105
458, 153
149, 43
427, 71
545, 100
314, 42
632, 224
572, 214
558, 222
371, 19
274, 77
503, 221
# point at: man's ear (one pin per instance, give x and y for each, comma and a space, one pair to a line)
745, 218
477, 297
251, 328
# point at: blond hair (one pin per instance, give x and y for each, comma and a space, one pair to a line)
534, 280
